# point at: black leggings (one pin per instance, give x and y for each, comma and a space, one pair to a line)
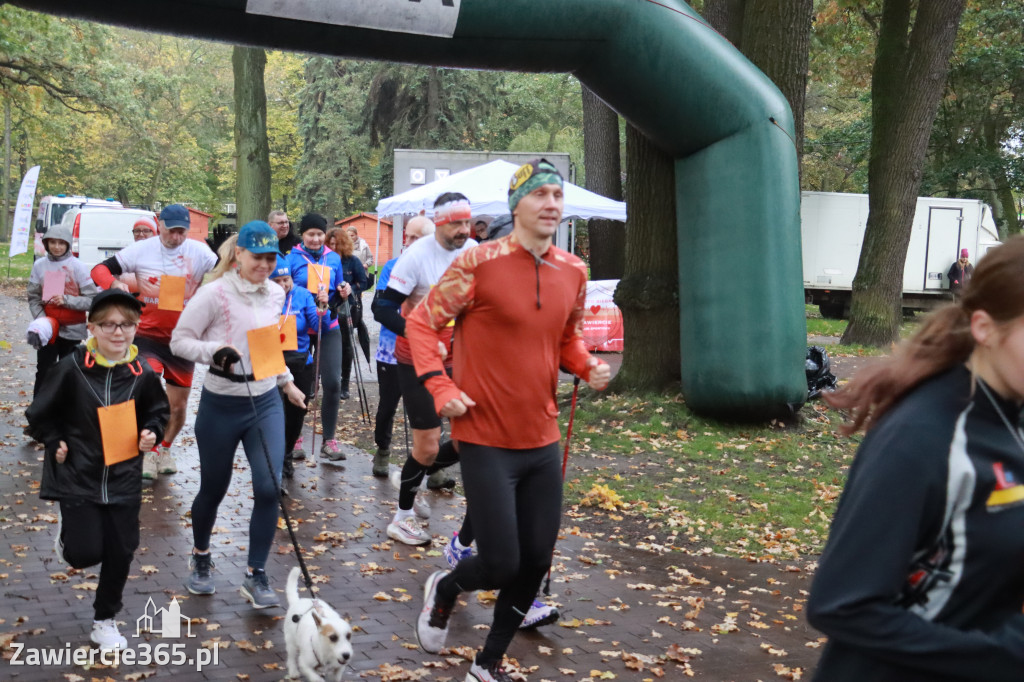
302, 376
515, 505
106, 534
390, 394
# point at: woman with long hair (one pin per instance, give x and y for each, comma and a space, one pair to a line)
338, 240
235, 407
922, 576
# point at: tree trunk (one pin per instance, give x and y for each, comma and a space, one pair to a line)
1004, 207
252, 179
911, 63
777, 38
5, 215
648, 293
726, 16
601, 159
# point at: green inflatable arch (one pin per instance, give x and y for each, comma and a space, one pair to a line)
659, 65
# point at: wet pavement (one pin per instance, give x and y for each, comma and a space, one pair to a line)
626, 614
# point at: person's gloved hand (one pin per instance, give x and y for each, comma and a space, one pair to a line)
34, 340
225, 357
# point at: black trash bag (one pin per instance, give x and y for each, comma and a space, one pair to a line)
819, 372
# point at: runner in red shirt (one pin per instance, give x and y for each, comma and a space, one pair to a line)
517, 303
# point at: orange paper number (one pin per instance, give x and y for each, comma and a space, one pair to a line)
316, 277
172, 293
289, 333
265, 351
119, 432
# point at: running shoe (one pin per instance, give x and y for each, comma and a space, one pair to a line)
297, 452
539, 614
256, 589
106, 635
165, 461
406, 531
288, 469
432, 624
495, 672
149, 466
200, 581
332, 451
453, 555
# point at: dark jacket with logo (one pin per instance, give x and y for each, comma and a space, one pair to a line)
922, 579
65, 408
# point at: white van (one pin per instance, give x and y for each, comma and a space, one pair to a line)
52, 209
98, 232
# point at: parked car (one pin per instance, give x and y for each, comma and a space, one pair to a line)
98, 232
52, 209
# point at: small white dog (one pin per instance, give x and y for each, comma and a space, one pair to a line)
319, 641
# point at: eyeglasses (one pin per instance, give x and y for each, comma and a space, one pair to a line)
111, 327
139, 233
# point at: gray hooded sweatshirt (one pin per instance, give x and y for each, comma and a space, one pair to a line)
78, 285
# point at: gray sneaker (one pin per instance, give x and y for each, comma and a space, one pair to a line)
380, 463
256, 589
201, 579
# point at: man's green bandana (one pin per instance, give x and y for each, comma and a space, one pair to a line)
529, 177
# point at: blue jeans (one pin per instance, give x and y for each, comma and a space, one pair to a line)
222, 422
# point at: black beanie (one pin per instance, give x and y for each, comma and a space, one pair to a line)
312, 221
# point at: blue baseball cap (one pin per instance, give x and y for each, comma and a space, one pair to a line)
282, 269
257, 236
175, 215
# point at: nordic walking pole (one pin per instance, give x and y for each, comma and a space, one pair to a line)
364, 408
321, 310
565, 462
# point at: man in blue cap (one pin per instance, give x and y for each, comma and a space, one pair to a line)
160, 265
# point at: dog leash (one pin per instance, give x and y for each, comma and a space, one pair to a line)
280, 496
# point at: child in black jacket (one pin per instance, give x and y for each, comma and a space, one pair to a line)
92, 465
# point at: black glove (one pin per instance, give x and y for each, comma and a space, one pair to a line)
34, 341
225, 357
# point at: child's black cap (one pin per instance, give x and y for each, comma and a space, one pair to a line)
111, 296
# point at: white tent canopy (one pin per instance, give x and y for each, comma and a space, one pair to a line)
486, 187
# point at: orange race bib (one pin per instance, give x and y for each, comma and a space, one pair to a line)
119, 432
172, 293
265, 352
317, 276
289, 332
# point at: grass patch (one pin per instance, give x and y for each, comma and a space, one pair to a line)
20, 265
819, 326
680, 482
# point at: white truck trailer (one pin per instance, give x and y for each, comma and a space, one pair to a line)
832, 227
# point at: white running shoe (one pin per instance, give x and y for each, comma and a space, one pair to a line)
165, 461
408, 532
105, 635
149, 466
432, 624
488, 673
539, 614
